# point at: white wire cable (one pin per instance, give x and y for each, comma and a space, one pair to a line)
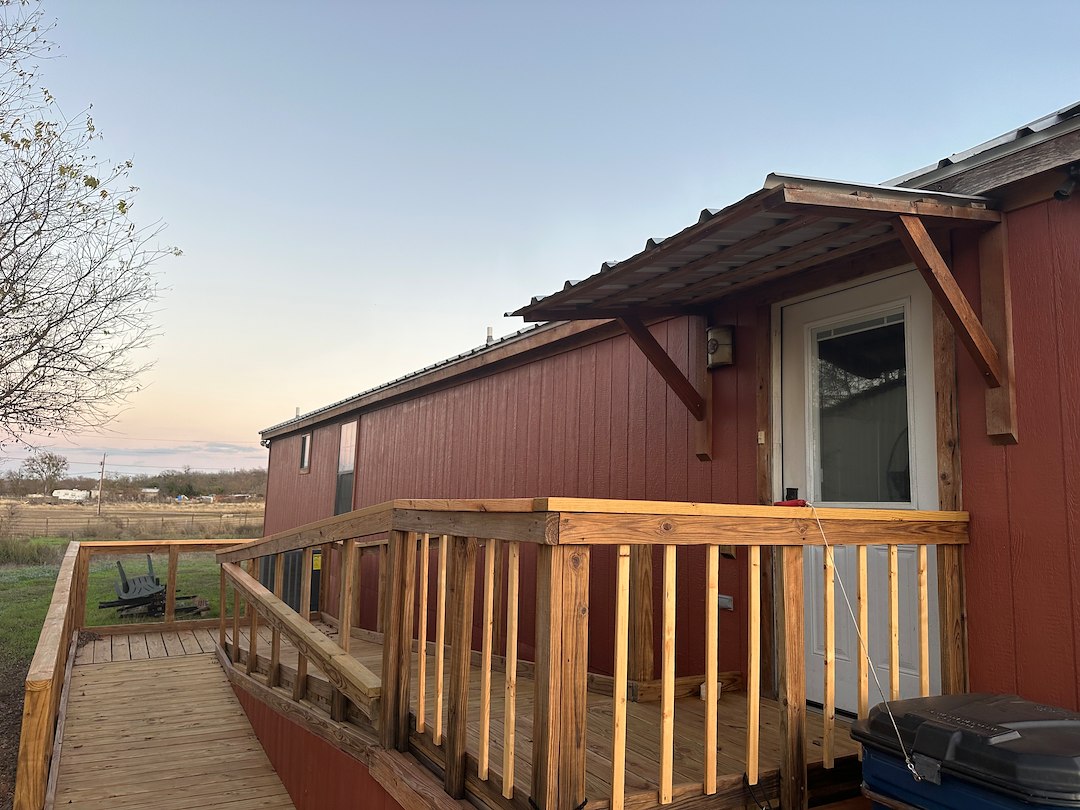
864, 647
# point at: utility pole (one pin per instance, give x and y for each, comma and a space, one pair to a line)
101, 484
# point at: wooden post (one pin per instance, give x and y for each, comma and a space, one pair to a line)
421, 633
253, 622
640, 665
324, 577
562, 647
894, 623
82, 582
712, 650
459, 612
345, 600
828, 719
667, 690
753, 663
170, 586
237, 606
487, 627
440, 637
792, 663
954, 658
397, 640
618, 692
384, 565
221, 609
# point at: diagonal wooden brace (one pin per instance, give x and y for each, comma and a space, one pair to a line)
924, 253
698, 403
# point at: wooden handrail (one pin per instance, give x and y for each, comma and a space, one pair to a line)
44, 685
355, 680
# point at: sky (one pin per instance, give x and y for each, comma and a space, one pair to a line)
361, 189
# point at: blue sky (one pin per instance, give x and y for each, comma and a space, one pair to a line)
360, 189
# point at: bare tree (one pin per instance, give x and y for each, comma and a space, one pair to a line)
46, 467
76, 280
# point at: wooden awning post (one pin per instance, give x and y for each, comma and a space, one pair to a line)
989, 341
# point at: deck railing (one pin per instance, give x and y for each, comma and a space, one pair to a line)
45, 688
453, 552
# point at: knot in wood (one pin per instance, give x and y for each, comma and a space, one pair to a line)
667, 526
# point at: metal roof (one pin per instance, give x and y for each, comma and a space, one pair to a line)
449, 361
1054, 125
791, 224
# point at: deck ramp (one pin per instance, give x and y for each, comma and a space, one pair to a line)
166, 734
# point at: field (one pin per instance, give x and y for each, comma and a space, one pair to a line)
125, 521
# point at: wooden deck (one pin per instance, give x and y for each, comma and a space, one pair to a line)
162, 733
142, 646
643, 720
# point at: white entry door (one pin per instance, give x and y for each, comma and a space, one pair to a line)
857, 414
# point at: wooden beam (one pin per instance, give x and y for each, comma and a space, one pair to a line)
996, 292
673, 376
838, 203
924, 253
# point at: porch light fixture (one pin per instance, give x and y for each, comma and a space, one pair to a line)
720, 350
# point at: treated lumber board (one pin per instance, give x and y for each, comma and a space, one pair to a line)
712, 651
836, 203
155, 646
601, 506
606, 529
663, 364
459, 613
995, 289
513, 575
894, 623
924, 254
753, 664
487, 629
173, 646
344, 736
140, 627
641, 665
121, 649
300, 681
358, 523
346, 673
409, 784
530, 527
667, 698
791, 643
421, 642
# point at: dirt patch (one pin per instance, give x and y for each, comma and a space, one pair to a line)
11, 700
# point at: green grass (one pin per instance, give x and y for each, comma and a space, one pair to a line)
25, 592
196, 575
31, 551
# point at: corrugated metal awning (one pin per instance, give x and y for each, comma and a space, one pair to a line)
790, 225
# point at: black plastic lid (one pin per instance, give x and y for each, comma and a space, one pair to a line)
1002, 742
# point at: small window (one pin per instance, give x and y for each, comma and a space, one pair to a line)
305, 453
343, 496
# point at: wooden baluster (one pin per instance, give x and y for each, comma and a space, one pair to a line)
792, 652
485, 659
562, 656
667, 696
170, 585
421, 643
619, 686
221, 609
513, 566
237, 606
357, 579
324, 577
440, 638
345, 598
397, 640
862, 596
300, 684
924, 625
253, 623
712, 651
380, 619
753, 663
894, 624
828, 720
460, 612
273, 678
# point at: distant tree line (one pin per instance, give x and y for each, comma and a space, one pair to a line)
44, 472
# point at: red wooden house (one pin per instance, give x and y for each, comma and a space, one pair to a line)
549, 572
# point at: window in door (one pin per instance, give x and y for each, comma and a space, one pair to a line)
860, 400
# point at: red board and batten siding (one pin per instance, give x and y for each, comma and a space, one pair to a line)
1023, 563
292, 498
594, 421
318, 776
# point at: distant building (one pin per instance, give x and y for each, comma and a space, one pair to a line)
71, 495
149, 493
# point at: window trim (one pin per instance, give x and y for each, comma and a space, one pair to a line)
305, 453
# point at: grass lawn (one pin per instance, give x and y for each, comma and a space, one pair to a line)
196, 575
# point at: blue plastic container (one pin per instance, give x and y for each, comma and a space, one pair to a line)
984, 752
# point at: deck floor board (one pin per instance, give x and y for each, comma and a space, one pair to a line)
164, 733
